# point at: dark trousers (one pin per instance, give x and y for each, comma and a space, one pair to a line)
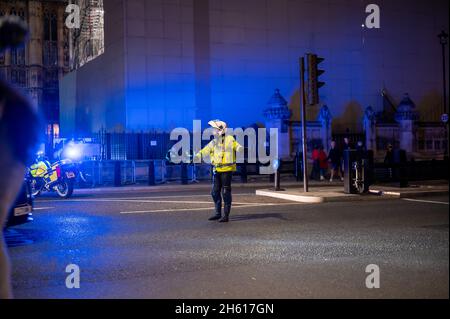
222, 190
315, 173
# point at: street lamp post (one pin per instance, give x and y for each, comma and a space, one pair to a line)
443, 39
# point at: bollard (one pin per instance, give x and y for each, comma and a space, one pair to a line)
184, 174
151, 173
277, 176
117, 174
277, 181
298, 167
369, 176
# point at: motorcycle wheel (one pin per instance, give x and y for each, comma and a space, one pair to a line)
64, 189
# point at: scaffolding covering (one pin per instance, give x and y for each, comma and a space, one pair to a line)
88, 40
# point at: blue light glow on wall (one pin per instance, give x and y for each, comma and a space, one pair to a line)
180, 62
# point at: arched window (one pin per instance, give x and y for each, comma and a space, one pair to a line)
18, 55
50, 26
50, 39
21, 13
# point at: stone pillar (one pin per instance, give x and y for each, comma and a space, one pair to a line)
369, 123
406, 117
277, 115
35, 52
325, 119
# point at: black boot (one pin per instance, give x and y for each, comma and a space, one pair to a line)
226, 214
218, 213
217, 216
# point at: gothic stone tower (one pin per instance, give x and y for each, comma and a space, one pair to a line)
37, 68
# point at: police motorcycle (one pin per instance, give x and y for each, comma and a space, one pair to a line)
59, 177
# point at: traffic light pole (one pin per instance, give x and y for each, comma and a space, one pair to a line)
444, 81
303, 112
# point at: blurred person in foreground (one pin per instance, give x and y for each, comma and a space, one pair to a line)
19, 126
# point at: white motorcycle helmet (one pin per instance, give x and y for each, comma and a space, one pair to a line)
219, 125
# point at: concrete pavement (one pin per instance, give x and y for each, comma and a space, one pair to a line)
320, 194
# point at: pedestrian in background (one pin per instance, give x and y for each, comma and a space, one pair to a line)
335, 158
323, 163
347, 144
316, 163
389, 157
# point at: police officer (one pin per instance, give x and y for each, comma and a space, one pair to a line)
222, 152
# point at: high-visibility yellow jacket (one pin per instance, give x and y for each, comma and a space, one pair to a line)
222, 152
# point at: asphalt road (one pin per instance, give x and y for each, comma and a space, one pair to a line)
160, 245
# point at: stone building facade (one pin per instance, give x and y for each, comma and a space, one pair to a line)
37, 68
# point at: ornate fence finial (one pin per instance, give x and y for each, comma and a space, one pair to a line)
369, 115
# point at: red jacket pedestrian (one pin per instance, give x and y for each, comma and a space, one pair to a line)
322, 157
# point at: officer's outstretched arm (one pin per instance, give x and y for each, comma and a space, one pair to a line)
202, 153
237, 147
197, 157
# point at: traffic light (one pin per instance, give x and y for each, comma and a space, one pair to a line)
313, 84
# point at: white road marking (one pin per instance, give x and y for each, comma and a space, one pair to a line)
182, 196
207, 208
43, 208
424, 201
167, 210
141, 201
135, 198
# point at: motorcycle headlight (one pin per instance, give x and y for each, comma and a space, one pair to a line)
73, 152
